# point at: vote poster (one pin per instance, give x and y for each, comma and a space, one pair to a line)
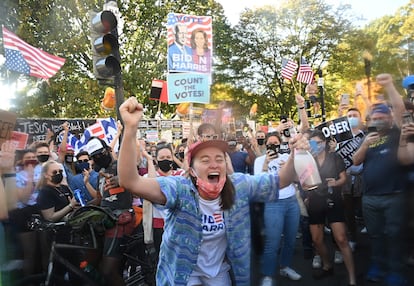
190, 43
188, 87
338, 129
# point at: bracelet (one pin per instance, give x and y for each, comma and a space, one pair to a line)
9, 175
301, 107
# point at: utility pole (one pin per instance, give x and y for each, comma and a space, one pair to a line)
321, 94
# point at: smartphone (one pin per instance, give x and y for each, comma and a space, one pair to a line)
239, 133
407, 118
345, 99
372, 129
274, 147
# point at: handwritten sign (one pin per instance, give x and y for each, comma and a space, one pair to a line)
188, 87
37, 127
7, 122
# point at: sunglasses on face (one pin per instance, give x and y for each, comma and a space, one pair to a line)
209, 137
54, 172
83, 161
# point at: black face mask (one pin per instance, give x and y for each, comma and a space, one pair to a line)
69, 159
57, 179
43, 158
165, 165
260, 141
103, 161
80, 166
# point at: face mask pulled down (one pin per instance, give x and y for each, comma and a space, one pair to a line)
209, 190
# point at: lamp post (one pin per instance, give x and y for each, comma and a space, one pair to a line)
321, 93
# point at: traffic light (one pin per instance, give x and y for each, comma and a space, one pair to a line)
105, 46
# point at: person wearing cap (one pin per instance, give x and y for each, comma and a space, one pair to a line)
384, 181
207, 230
119, 201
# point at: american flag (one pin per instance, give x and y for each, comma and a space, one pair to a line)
193, 22
305, 73
288, 68
24, 58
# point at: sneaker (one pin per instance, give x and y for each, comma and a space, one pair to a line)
290, 273
267, 281
395, 280
364, 230
327, 230
338, 257
374, 274
316, 262
352, 245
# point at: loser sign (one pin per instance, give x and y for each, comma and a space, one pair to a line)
338, 128
188, 87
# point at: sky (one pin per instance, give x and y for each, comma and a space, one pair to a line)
369, 9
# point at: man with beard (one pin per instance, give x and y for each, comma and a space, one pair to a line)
384, 178
119, 201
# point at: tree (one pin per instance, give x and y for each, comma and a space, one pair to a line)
295, 29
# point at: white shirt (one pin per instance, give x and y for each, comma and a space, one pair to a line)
274, 167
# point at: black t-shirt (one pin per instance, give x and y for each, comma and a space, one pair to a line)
57, 197
118, 200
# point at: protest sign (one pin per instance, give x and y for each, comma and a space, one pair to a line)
188, 87
347, 149
7, 122
338, 129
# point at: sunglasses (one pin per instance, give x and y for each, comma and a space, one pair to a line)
54, 172
209, 137
83, 161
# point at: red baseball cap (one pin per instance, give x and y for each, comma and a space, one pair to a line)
198, 146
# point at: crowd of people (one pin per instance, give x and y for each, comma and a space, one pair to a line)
209, 203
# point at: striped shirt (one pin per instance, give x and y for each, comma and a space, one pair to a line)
183, 226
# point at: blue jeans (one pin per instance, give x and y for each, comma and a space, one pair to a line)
384, 218
281, 217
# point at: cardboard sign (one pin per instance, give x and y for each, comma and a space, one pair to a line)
7, 122
338, 128
188, 87
347, 149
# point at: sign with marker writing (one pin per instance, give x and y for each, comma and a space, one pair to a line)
188, 87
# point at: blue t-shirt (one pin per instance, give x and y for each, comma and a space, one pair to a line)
238, 160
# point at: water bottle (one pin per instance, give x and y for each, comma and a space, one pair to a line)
91, 271
79, 197
306, 170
